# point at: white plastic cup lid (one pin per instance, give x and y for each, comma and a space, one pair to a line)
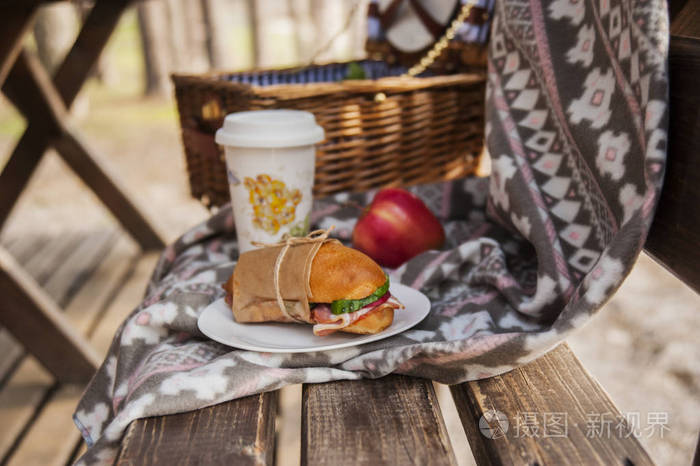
269, 128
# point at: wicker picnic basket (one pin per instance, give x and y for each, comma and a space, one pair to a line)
380, 131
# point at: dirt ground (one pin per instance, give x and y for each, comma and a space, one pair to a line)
642, 347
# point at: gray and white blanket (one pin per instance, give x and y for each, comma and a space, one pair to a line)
576, 128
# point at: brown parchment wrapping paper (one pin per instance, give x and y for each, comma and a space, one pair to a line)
253, 286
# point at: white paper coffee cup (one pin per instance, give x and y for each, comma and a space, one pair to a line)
270, 160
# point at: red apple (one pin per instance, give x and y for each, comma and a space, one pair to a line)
395, 227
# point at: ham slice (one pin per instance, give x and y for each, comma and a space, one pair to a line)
329, 322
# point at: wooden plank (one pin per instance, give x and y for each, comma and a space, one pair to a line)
36, 321
60, 267
11, 241
40, 258
110, 274
675, 234
27, 246
75, 269
118, 285
23, 249
240, 432
19, 400
54, 421
10, 354
392, 420
14, 23
551, 406
43, 265
29, 385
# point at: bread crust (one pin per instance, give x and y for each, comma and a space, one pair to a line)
340, 272
374, 322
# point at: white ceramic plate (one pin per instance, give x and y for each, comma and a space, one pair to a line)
216, 322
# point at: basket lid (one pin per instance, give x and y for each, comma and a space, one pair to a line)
269, 128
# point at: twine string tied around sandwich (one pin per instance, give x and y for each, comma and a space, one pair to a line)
287, 241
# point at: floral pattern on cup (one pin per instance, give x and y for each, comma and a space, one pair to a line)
273, 203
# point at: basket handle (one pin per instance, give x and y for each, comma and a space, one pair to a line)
437, 48
432, 54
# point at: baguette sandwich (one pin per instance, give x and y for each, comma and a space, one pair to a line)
330, 286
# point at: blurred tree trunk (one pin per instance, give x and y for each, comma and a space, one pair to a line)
215, 28
256, 28
196, 36
55, 29
187, 36
179, 50
153, 25
239, 36
304, 30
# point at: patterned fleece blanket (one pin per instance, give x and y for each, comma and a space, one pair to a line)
576, 128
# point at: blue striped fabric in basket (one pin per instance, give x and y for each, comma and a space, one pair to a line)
334, 72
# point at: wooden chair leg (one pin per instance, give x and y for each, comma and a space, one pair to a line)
36, 321
31, 90
19, 168
92, 38
12, 29
70, 77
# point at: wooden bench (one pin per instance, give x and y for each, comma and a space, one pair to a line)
396, 419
